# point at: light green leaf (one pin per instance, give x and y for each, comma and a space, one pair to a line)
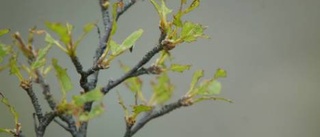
193, 5
179, 68
126, 44
3, 130
40, 59
63, 31
137, 109
63, 77
220, 73
156, 6
13, 112
91, 96
191, 31
88, 27
48, 38
196, 76
4, 31
14, 69
114, 16
210, 87
96, 111
162, 90
3, 51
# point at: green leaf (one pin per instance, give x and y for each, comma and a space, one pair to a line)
4, 31
137, 109
14, 69
179, 68
3, 130
114, 16
162, 90
63, 31
211, 87
196, 76
4, 50
91, 96
14, 113
220, 73
63, 77
96, 111
126, 44
86, 29
50, 40
191, 31
193, 5
40, 59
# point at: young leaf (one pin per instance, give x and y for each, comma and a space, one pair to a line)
126, 44
162, 11
193, 5
63, 31
179, 68
114, 16
3, 51
51, 40
162, 90
91, 96
209, 87
137, 109
86, 29
14, 69
63, 77
14, 113
3, 130
220, 73
40, 59
191, 31
4, 31
96, 111
196, 76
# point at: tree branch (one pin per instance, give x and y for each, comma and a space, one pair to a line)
155, 114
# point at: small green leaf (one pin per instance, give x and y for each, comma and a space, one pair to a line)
63, 77
162, 90
40, 59
220, 73
63, 31
196, 76
14, 69
193, 5
91, 96
88, 27
50, 40
96, 111
179, 68
210, 87
114, 16
4, 50
4, 31
126, 44
137, 109
14, 113
3, 130
191, 31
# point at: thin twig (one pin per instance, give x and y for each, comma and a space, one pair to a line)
155, 114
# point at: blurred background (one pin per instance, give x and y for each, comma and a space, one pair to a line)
270, 49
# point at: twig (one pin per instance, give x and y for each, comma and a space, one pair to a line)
125, 8
61, 125
155, 114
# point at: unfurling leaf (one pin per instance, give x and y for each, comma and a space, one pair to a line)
4, 51
14, 69
220, 73
50, 40
141, 108
191, 31
14, 113
4, 31
179, 68
96, 111
63, 31
162, 10
40, 59
91, 96
63, 77
126, 44
86, 29
162, 89
196, 76
193, 5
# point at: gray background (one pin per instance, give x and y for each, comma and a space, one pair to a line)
270, 49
